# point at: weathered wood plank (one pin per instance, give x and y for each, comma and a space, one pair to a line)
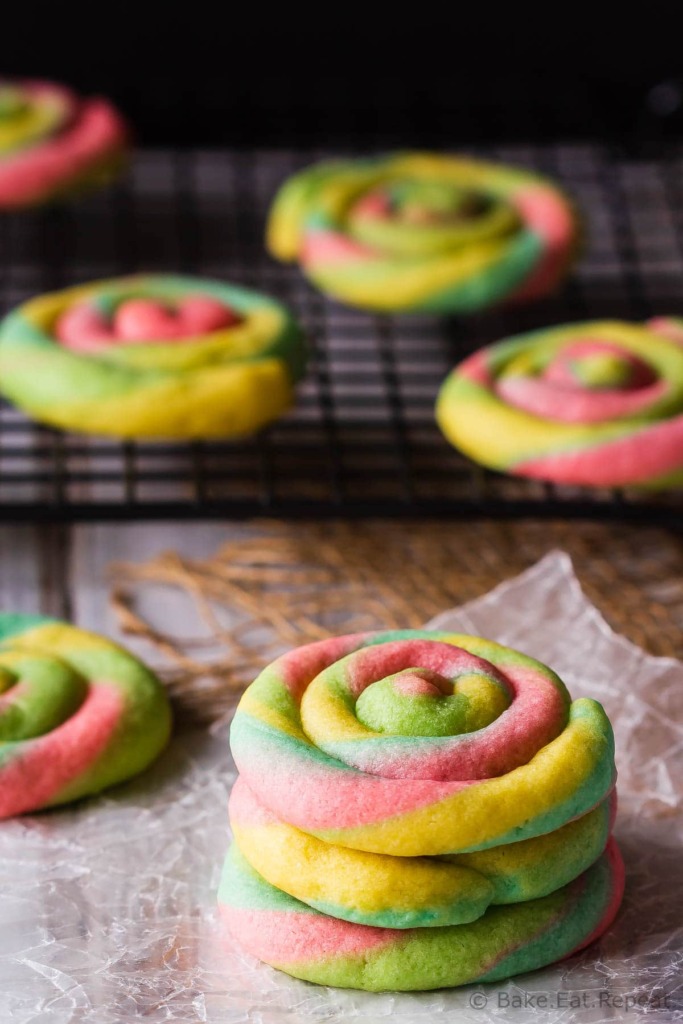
32, 573
96, 546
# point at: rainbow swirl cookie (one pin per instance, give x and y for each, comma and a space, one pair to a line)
417, 810
593, 403
53, 143
77, 714
421, 232
152, 357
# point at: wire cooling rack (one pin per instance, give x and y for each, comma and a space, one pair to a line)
362, 439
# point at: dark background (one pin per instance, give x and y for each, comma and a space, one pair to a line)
339, 76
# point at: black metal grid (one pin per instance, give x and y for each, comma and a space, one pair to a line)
362, 439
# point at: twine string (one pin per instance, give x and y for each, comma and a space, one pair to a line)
278, 585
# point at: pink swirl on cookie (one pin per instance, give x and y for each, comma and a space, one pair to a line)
86, 328
547, 214
655, 453
53, 142
45, 766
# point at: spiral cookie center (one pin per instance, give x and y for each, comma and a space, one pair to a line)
599, 365
37, 694
586, 381
91, 326
419, 217
416, 709
422, 202
419, 702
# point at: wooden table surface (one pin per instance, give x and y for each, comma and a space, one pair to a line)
633, 574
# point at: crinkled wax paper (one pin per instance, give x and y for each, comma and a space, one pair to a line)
108, 909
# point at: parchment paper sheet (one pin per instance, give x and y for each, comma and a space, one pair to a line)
107, 909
